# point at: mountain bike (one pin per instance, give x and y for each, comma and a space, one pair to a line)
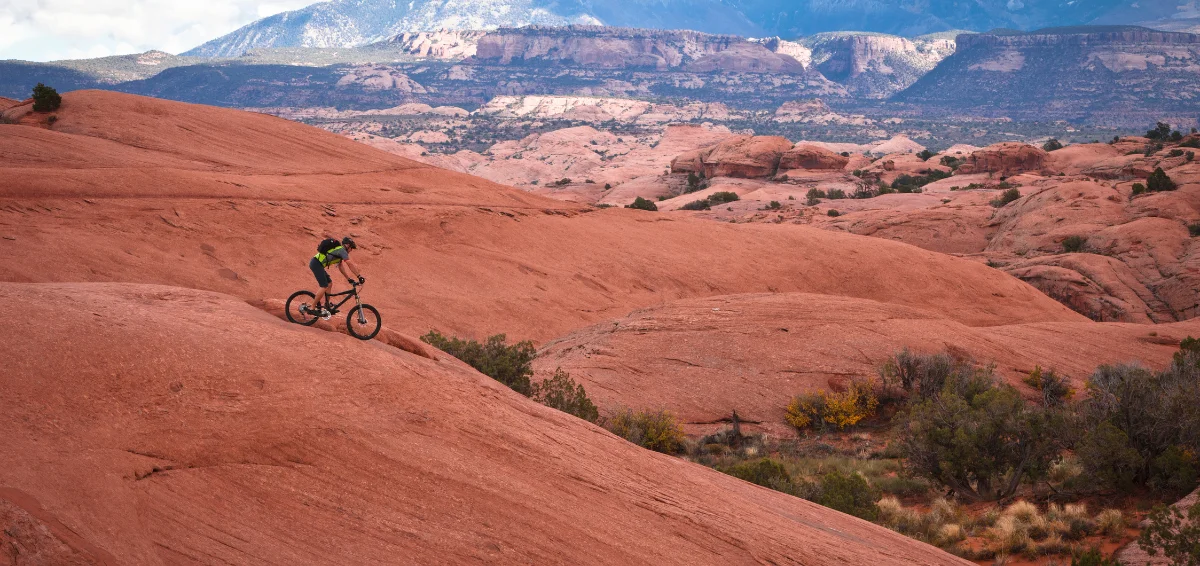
363, 321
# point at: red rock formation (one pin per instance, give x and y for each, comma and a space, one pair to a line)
747, 157
1008, 158
807, 156
149, 425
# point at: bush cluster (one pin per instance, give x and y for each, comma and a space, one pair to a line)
1052, 145
831, 409
1073, 244
1134, 429
512, 365
1139, 428
717, 198
45, 99
640, 203
1010, 195
562, 393
1173, 533
654, 430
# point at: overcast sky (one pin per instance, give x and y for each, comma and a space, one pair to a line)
47, 30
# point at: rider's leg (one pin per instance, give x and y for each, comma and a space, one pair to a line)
321, 294
324, 281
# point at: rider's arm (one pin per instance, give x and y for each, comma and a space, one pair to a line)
352, 267
342, 268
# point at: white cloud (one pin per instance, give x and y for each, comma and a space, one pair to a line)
46, 30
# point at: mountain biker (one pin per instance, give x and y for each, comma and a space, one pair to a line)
337, 253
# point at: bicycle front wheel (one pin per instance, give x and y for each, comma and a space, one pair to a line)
301, 316
363, 322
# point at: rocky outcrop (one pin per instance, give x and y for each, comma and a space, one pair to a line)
602, 109
797, 51
811, 157
381, 77
1007, 158
876, 65
614, 48
444, 44
815, 111
746, 157
1057, 74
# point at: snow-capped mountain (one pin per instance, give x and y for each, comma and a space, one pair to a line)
346, 23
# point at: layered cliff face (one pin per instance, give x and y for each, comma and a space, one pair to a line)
619, 48
1117, 75
876, 65
444, 44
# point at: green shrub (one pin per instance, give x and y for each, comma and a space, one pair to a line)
696, 205
1194, 229
654, 430
766, 472
1006, 197
1092, 557
1193, 143
836, 194
1161, 131
1138, 188
812, 195
45, 99
1140, 428
693, 182
1052, 145
850, 494
1170, 533
833, 213
52, 119
607, 186
920, 375
1073, 244
980, 437
510, 365
562, 393
722, 197
925, 155
1159, 181
774, 205
640, 203
1175, 153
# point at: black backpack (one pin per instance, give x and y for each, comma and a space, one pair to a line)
326, 245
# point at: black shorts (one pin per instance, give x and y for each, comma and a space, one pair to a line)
323, 278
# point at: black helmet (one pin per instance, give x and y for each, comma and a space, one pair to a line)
349, 243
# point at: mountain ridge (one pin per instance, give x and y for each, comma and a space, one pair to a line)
348, 23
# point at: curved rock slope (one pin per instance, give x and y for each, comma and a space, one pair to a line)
158, 425
129, 189
704, 358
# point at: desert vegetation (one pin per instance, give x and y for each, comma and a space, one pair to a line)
939, 448
45, 99
512, 365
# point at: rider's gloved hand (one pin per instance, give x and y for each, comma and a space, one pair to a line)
361, 279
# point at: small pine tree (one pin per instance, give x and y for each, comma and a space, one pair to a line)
1159, 181
45, 99
640, 203
1052, 145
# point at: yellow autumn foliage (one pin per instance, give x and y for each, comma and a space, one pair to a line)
843, 409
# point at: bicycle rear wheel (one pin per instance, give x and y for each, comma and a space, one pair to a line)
363, 322
297, 300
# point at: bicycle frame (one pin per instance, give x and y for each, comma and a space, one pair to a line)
351, 292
